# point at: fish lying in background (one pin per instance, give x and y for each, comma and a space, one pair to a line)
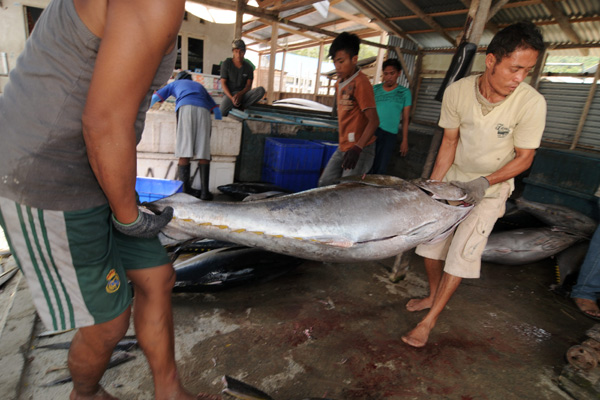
568, 264
559, 216
240, 190
230, 266
523, 246
370, 219
241, 390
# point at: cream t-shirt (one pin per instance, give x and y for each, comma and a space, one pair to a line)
487, 142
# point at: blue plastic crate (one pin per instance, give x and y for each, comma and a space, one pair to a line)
328, 150
150, 189
295, 181
283, 154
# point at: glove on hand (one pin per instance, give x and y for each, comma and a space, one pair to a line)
351, 157
475, 189
217, 112
146, 225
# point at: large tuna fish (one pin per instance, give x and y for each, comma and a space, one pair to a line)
369, 219
524, 246
559, 216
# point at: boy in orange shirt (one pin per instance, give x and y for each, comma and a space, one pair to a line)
357, 114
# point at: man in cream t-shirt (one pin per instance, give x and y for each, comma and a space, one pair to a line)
492, 125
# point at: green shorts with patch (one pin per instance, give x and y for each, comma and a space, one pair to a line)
75, 262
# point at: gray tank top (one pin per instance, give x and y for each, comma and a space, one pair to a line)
43, 159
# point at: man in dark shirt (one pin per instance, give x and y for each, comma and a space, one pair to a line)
236, 78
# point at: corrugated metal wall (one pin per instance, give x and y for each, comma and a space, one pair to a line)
565, 104
427, 108
409, 59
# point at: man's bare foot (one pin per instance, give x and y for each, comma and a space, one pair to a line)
418, 336
101, 394
419, 304
588, 307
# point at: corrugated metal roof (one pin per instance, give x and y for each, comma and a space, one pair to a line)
451, 16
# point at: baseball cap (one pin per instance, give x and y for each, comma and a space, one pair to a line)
238, 44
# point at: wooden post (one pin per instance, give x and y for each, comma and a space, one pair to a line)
239, 18
379, 64
274, 34
586, 108
408, 75
282, 74
318, 75
538, 69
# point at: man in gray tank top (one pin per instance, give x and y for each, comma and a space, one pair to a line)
71, 116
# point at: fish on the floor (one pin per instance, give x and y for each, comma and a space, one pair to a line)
523, 246
568, 264
196, 246
7, 275
370, 219
240, 190
125, 344
230, 266
559, 216
117, 358
241, 390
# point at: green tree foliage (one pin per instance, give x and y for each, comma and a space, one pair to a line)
569, 64
364, 52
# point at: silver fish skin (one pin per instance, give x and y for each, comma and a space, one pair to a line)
559, 216
524, 246
348, 222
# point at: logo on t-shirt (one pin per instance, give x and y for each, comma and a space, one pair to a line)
502, 131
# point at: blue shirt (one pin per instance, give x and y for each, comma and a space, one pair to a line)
187, 92
390, 106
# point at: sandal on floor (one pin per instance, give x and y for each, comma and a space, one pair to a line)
586, 306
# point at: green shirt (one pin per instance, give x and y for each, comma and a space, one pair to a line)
390, 106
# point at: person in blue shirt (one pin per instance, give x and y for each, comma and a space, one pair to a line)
393, 103
193, 106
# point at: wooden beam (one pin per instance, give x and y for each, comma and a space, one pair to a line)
380, 18
563, 22
292, 31
358, 19
586, 108
428, 20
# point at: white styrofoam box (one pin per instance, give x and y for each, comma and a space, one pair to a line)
222, 170
226, 137
156, 165
161, 127
159, 133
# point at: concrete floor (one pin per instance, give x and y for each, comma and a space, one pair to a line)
333, 330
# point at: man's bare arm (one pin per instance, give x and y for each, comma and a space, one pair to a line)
446, 154
136, 34
521, 162
367, 134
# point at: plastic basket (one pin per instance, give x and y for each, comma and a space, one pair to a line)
328, 150
150, 189
282, 154
296, 181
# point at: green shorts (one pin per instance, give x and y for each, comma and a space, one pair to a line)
75, 262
